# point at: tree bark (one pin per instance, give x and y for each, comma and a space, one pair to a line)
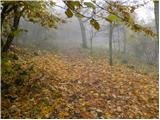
114, 41
91, 40
83, 32
124, 41
5, 11
110, 44
14, 28
156, 11
118, 39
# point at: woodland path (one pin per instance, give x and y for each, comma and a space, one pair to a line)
76, 86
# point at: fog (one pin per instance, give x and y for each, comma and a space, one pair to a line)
80, 60
68, 36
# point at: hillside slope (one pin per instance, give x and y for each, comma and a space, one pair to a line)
47, 85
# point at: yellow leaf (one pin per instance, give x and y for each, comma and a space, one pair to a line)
63, 114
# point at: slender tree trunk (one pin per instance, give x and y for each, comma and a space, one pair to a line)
110, 44
114, 42
5, 11
3, 14
156, 11
124, 44
83, 32
119, 47
124, 41
91, 40
14, 28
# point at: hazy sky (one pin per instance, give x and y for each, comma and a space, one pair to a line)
145, 13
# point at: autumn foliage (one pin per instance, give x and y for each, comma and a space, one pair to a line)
48, 85
45, 84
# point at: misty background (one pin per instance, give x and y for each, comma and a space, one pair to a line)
68, 37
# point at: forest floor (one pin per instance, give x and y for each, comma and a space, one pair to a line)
48, 85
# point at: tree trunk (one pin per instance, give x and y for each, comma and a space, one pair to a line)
124, 45
83, 32
5, 11
156, 11
124, 41
118, 39
110, 44
91, 40
114, 42
14, 28
3, 14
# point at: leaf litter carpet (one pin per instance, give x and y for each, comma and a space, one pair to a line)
75, 86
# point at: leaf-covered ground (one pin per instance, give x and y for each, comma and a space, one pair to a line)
47, 85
